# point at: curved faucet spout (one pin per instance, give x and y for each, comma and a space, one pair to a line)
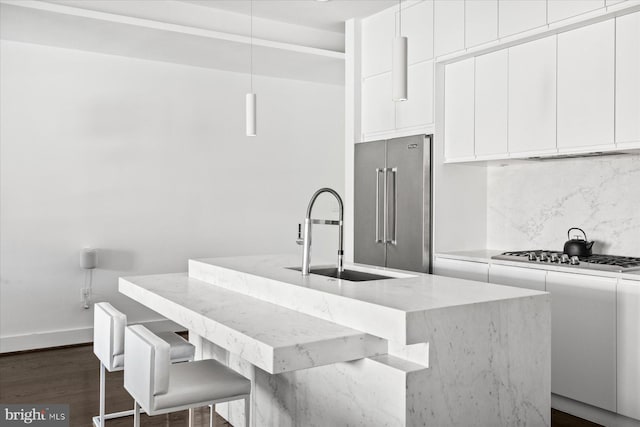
306, 249
325, 190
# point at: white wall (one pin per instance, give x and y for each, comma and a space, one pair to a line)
147, 162
532, 205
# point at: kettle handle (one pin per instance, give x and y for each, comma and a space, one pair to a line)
576, 228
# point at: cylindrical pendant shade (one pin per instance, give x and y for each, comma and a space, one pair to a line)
400, 69
251, 114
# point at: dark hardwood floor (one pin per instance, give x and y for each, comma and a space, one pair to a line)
71, 375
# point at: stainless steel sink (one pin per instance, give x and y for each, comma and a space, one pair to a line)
350, 275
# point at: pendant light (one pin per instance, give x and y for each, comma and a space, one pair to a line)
250, 100
399, 65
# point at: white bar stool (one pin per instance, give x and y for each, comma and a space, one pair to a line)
159, 387
108, 346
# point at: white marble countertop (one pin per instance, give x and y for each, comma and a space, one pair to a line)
484, 255
274, 338
394, 309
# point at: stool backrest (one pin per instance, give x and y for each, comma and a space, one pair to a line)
146, 365
108, 333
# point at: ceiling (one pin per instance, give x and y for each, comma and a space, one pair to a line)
323, 15
293, 39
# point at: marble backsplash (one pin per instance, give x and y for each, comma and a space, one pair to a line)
532, 205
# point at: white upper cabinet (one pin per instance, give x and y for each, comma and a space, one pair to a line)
417, 110
417, 26
586, 68
629, 348
583, 338
491, 99
377, 36
448, 26
459, 110
481, 21
378, 112
532, 97
563, 9
628, 78
516, 16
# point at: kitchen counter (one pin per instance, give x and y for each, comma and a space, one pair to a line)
414, 349
484, 256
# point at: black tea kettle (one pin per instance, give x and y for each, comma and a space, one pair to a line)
578, 246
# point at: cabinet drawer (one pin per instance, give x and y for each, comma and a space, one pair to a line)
517, 276
461, 269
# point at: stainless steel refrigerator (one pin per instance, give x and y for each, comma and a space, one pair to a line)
393, 203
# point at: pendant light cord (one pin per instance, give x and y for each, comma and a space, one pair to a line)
251, 60
400, 18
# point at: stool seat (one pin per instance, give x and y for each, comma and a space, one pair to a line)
202, 381
159, 387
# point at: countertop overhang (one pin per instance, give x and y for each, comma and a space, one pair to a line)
395, 309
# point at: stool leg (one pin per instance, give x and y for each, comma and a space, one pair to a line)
136, 414
192, 417
212, 414
247, 403
102, 393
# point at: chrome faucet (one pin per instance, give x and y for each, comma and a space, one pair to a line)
306, 239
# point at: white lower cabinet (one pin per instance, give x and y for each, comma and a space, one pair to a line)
583, 338
468, 270
629, 348
517, 276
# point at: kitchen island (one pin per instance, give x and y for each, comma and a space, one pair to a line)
413, 349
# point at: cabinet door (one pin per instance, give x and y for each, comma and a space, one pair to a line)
461, 269
481, 21
378, 110
417, 26
491, 104
563, 9
532, 97
583, 338
519, 277
458, 110
377, 37
586, 88
628, 78
629, 348
448, 26
516, 16
418, 109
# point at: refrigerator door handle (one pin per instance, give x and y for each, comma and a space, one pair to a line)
385, 204
393, 208
377, 208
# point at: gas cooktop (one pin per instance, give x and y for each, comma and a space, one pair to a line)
594, 262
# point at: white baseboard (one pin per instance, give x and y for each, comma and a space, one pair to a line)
591, 413
41, 340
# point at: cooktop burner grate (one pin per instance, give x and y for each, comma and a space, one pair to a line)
596, 261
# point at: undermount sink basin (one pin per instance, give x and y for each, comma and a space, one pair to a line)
350, 275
